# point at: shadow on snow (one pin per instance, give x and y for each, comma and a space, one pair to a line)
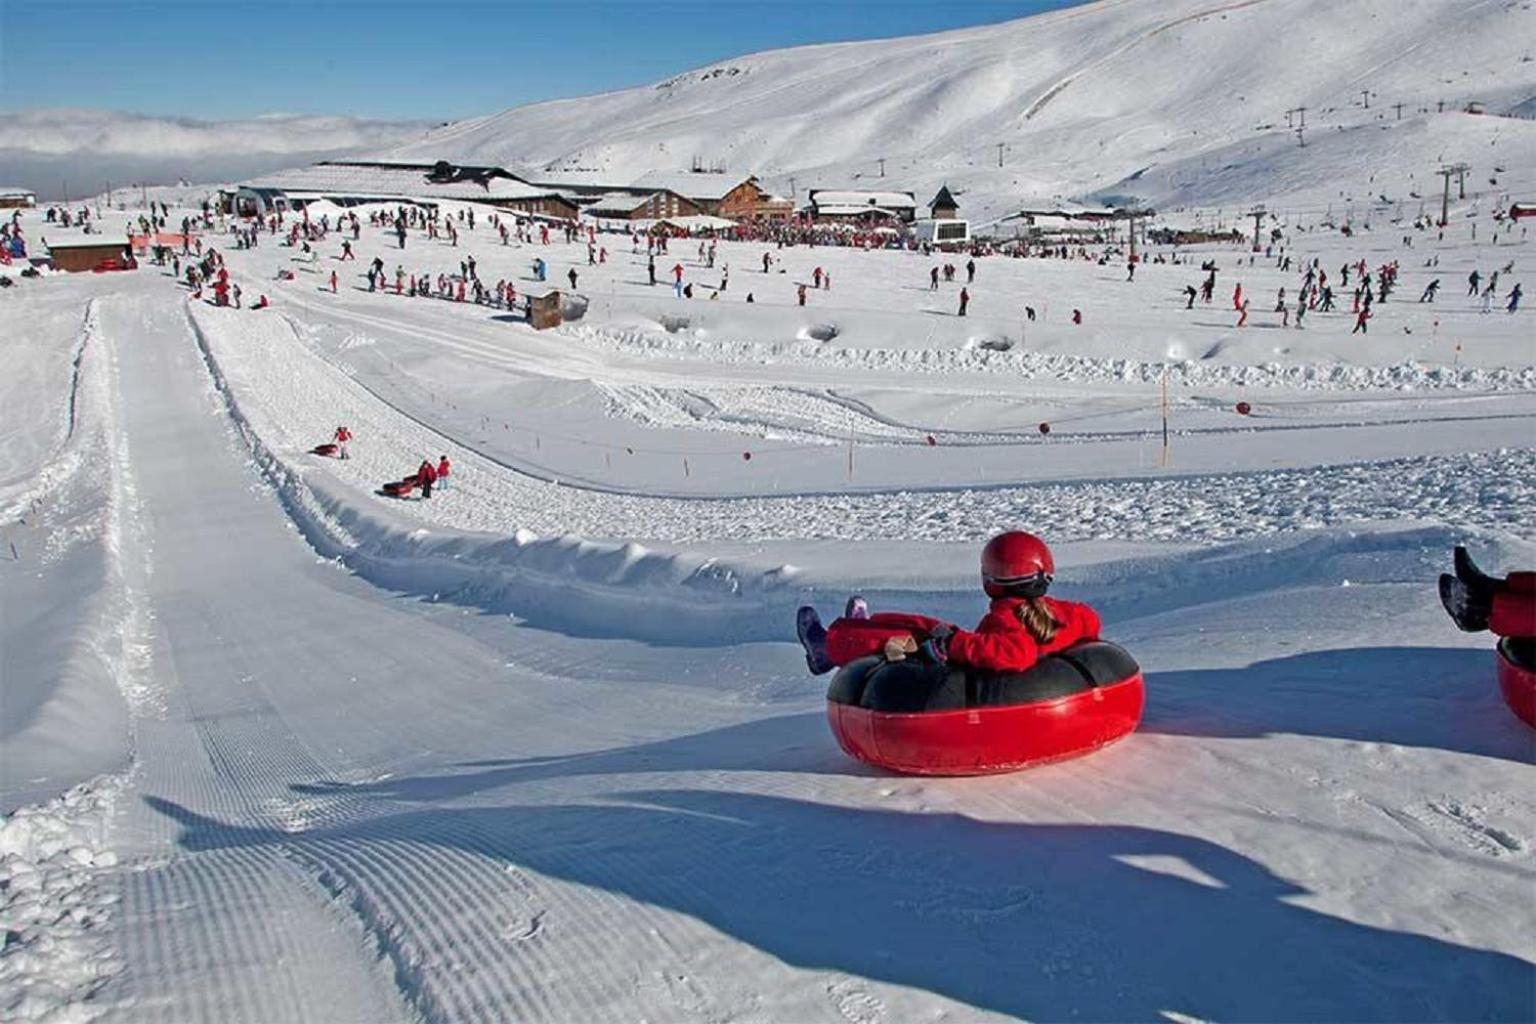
1039, 921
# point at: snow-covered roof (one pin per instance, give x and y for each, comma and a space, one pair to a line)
822, 198
7, 191
618, 202
88, 241
399, 180
693, 185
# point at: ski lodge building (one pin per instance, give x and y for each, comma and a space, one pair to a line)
681, 194
352, 183
861, 208
17, 198
633, 206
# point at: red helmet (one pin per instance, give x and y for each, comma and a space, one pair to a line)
1016, 564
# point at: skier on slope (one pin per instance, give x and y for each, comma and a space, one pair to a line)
1022, 625
444, 470
342, 437
1360, 318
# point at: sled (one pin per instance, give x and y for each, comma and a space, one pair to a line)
399, 488
1517, 676
327, 450
924, 718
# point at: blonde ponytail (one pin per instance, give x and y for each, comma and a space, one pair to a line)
1038, 620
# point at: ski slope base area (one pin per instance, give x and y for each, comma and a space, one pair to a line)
275, 747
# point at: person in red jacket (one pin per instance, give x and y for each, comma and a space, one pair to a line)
426, 476
444, 468
342, 437
1022, 625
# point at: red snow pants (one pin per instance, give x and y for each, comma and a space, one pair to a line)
1514, 607
851, 639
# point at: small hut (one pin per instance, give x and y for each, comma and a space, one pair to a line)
943, 205
544, 310
90, 253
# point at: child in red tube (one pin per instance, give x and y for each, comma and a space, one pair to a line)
1022, 625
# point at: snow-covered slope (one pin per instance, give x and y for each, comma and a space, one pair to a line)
1080, 99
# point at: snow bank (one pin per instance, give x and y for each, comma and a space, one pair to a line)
1013, 362
70, 626
53, 902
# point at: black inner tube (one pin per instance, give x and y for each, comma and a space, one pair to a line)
918, 684
1519, 650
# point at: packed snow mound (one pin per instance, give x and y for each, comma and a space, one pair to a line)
1080, 98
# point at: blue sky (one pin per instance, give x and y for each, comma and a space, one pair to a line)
422, 59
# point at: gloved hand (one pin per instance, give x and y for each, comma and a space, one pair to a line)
898, 647
936, 647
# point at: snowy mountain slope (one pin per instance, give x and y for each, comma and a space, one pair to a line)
1080, 98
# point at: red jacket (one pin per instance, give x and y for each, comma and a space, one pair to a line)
442, 469
1001, 642
426, 474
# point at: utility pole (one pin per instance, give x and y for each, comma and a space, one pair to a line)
1257, 213
1461, 180
1399, 108
1295, 113
882, 166
1301, 136
1000, 154
1365, 94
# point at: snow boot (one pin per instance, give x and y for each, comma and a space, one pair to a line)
1468, 606
813, 637
856, 608
1468, 572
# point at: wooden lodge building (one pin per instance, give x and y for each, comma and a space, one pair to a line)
354, 182
708, 194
